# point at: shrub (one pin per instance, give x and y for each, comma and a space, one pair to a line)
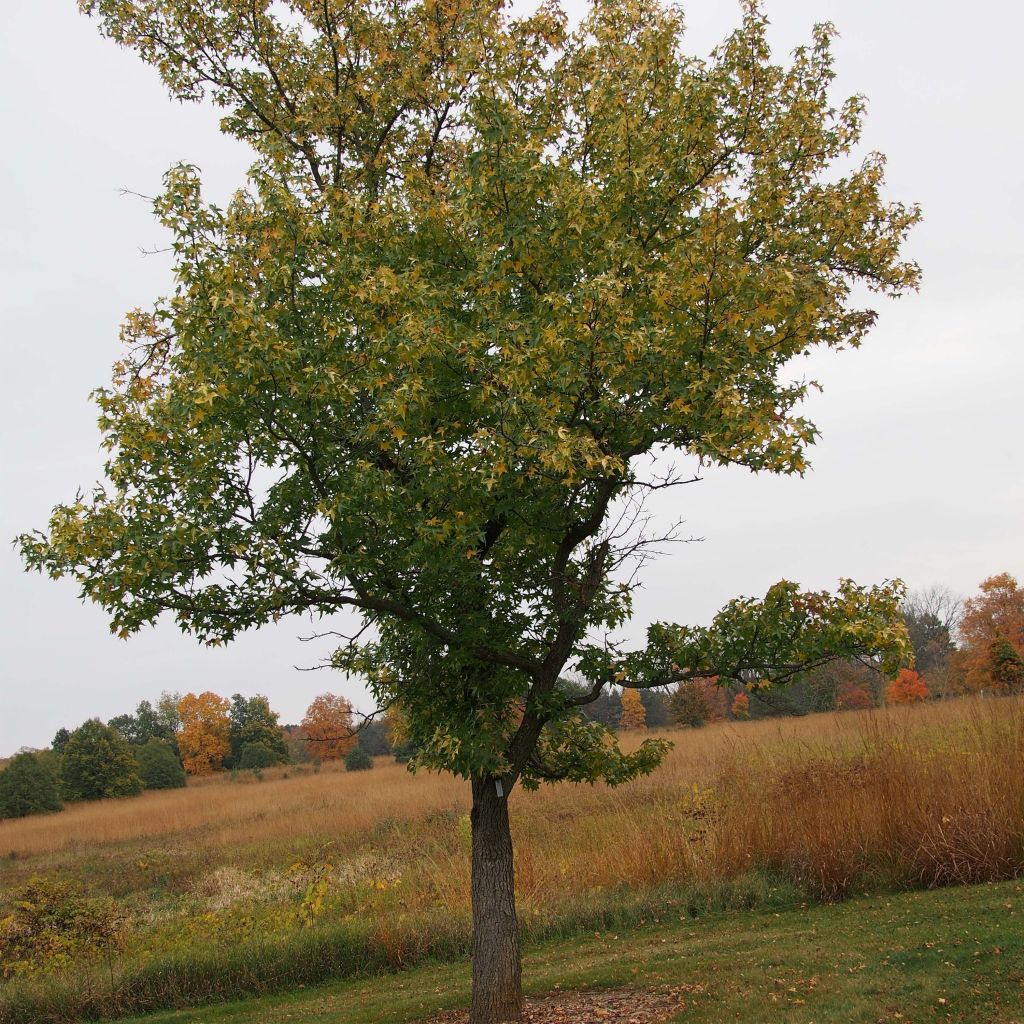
53, 925
98, 762
358, 760
159, 767
28, 785
257, 756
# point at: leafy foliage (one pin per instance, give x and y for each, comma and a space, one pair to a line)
998, 611
205, 729
252, 723
328, 727
52, 925
159, 767
1005, 665
98, 762
358, 760
907, 688
28, 785
633, 714
257, 756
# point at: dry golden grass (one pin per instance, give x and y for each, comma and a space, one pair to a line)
922, 795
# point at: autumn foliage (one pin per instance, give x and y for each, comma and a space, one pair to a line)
204, 739
997, 613
327, 727
741, 706
633, 714
907, 688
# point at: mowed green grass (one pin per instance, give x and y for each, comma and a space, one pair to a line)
952, 954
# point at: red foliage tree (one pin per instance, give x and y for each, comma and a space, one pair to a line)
907, 688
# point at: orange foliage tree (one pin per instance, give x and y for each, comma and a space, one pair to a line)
204, 739
633, 714
998, 611
741, 706
328, 727
907, 688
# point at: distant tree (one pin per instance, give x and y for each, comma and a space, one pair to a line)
98, 762
633, 715
159, 767
1005, 665
256, 756
203, 740
740, 706
167, 717
372, 737
907, 688
854, 697
60, 740
252, 723
655, 708
688, 703
328, 727
998, 611
28, 785
358, 760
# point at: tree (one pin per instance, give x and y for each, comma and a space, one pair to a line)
688, 703
487, 278
931, 615
740, 706
97, 763
998, 611
159, 767
633, 714
60, 740
252, 723
328, 727
1005, 665
28, 785
358, 760
254, 756
204, 737
907, 688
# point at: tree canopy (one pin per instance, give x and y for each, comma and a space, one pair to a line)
487, 276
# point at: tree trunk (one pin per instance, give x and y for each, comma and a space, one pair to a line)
497, 972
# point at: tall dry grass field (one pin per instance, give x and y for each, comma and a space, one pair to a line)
820, 806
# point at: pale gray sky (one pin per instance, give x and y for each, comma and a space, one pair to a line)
917, 475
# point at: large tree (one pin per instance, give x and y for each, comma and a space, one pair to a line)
486, 278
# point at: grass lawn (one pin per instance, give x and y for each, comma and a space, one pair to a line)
954, 954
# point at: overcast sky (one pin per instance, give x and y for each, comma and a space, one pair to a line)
917, 474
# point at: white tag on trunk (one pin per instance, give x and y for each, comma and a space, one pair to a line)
498, 787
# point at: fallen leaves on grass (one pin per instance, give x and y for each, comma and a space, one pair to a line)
609, 1006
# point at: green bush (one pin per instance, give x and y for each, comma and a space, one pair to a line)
28, 785
358, 760
159, 767
98, 762
258, 755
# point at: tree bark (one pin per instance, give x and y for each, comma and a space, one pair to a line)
497, 971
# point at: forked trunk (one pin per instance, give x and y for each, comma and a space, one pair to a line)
497, 973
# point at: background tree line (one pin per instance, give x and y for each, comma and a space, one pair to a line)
960, 647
